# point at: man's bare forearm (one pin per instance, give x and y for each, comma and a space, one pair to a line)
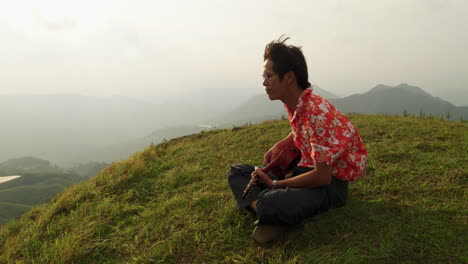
321, 176
288, 140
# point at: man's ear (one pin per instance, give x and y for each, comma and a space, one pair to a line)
290, 77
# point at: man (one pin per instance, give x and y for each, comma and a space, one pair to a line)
332, 152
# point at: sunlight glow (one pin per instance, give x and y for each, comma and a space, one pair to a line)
25, 14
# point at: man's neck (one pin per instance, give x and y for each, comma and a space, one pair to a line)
291, 99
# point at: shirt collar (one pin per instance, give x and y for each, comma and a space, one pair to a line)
300, 106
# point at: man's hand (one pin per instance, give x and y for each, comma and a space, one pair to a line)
262, 177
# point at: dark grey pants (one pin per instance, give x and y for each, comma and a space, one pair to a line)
285, 206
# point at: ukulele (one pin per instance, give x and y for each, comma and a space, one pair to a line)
280, 166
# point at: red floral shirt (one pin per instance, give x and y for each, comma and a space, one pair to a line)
324, 134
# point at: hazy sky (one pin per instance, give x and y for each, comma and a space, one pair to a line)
213, 49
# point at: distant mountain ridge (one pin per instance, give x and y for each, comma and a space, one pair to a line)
403, 98
259, 108
324, 93
381, 99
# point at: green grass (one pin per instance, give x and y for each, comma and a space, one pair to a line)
171, 204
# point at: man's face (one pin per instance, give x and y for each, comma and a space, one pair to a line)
274, 87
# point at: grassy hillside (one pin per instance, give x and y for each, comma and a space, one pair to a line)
171, 204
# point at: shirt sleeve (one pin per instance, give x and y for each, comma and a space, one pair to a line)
330, 134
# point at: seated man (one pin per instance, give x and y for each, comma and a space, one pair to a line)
332, 152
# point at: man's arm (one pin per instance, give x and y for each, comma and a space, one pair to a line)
321, 176
276, 149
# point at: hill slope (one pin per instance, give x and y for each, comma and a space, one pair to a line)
171, 204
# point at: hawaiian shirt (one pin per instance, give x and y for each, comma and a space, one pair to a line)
324, 134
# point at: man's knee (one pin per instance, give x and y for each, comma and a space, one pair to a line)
239, 169
234, 169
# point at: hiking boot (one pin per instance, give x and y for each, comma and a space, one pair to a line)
267, 233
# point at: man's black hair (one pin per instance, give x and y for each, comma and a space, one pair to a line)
287, 58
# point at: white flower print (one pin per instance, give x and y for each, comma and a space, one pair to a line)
332, 139
342, 164
347, 133
319, 148
362, 163
338, 154
303, 131
321, 131
351, 128
321, 117
299, 103
312, 119
336, 122
324, 107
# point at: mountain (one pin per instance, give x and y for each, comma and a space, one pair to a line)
171, 203
399, 99
260, 108
382, 99
26, 165
324, 93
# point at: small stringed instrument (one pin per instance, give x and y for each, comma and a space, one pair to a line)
280, 166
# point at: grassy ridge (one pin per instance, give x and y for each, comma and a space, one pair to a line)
171, 204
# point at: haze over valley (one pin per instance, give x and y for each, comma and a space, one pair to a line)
72, 129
